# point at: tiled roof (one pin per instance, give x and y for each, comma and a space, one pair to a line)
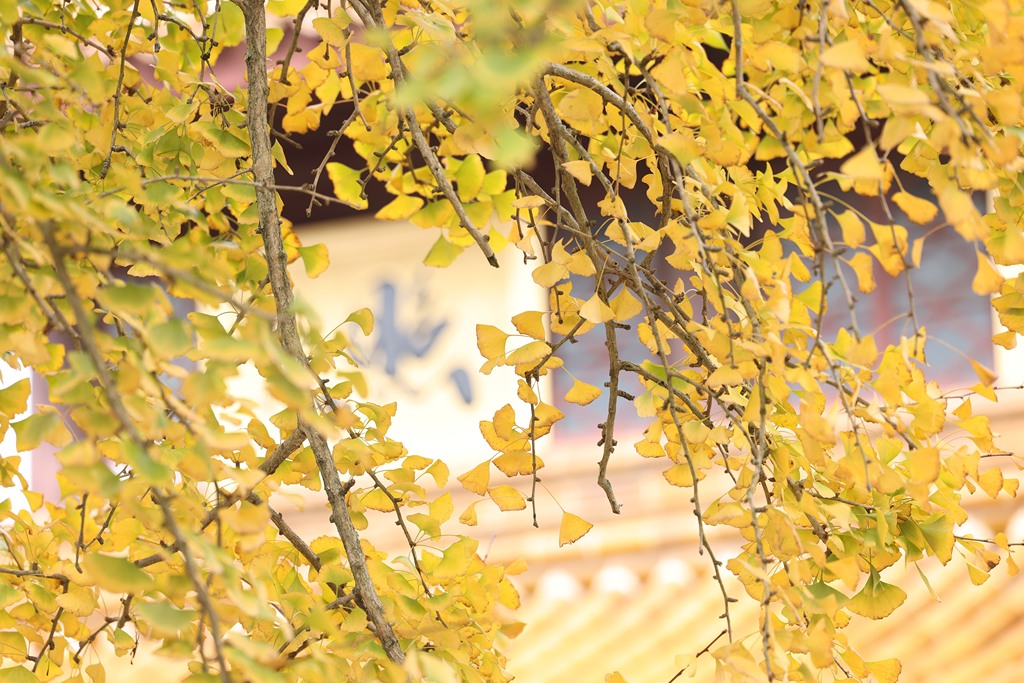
644, 626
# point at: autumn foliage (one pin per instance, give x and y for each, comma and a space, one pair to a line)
693, 175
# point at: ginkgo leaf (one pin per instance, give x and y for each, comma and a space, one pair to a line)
847, 55
991, 482
490, 341
376, 499
864, 269
18, 674
580, 170
550, 274
985, 375
572, 528
79, 601
987, 280
399, 208
442, 254
877, 599
115, 574
331, 29
504, 422
890, 247
682, 145
864, 165
582, 393
222, 140
530, 353
364, 318
724, 376
596, 311
516, 463
469, 178
14, 398
625, 306
170, 338
1006, 339
885, 670
852, 227
468, 516
923, 464
581, 104
920, 211
903, 95
476, 479
368, 63
34, 429
315, 258
167, 619
526, 393
346, 183
507, 498
679, 475
456, 559
530, 323
529, 202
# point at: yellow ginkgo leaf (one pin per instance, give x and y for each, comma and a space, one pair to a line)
864, 269
920, 211
1007, 339
724, 376
530, 201
531, 353
864, 165
848, 55
582, 104
923, 464
550, 274
516, 463
507, 498
679, 475
580, 170
890, 248
625, 306
986, 376
368, 63
399, 208
530, 323
504, 422
476, 479
886, 670
347, 185
468, 516
991, 482
526, 393
582, 393
877, 599
470, 177
572, 529
596, 311
852, 227
491, 341
987, 280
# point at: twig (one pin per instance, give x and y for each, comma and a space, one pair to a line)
270, 229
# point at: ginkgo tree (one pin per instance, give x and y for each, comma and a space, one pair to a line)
597, 140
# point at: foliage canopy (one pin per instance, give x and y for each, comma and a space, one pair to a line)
689, 196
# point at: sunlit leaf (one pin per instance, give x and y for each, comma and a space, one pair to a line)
582, 393
506, 497
115, 574
572, 529
876, 599
476, 479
